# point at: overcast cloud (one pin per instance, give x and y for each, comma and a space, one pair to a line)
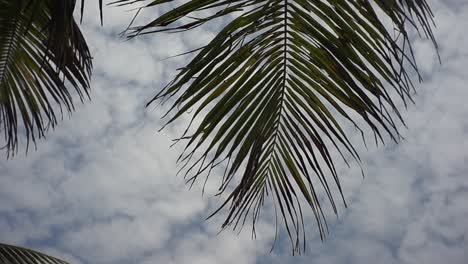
102, 187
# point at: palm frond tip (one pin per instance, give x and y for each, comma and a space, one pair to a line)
272, 83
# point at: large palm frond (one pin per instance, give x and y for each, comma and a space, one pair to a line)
273, 86
17, 255
42, 52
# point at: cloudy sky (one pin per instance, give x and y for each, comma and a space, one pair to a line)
102, 187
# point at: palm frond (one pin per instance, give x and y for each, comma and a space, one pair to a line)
273, 84
42, 51
100, 10
17, 255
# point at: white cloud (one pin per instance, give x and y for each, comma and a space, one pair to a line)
102, 187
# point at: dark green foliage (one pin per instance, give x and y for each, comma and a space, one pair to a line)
42, 53
270, 86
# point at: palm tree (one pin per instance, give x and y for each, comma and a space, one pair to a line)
42, 54
270, 90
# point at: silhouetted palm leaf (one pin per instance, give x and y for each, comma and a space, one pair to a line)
273, 83
42, 51
18, 255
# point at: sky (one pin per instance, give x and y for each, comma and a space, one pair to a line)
102, 187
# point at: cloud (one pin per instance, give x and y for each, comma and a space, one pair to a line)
102, 187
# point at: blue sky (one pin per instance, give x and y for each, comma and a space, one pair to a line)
102, 187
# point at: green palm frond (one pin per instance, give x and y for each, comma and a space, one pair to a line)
18, 255
42, 52
272, 88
